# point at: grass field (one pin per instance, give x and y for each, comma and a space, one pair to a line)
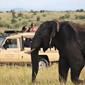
17, 75
31, 17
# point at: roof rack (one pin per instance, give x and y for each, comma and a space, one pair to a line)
12, 31
8, 33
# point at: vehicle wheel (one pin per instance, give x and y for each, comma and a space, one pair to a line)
43, 63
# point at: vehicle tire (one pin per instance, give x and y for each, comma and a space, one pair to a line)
43, 63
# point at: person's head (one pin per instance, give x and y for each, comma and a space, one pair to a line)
24, 28
32, 25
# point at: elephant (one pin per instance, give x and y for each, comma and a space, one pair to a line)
69, 39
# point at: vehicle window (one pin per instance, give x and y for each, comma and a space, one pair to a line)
11, 43
1, 40
28, 42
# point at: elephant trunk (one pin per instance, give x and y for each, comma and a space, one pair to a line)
34, 58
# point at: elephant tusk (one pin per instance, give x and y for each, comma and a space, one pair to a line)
30, 51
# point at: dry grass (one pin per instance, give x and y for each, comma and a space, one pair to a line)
17, 75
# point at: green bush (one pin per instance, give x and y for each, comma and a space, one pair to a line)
55, 19
30, 21
81, 10
7, 11
20, 15
76, 17
32, 11
62, 17
13, 20
13, 15
38, 18
65, 16
44, 15
35, 13
20, 19
80, 17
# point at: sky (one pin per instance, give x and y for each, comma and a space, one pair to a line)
52, 5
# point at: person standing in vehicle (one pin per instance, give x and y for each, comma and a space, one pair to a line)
33, 28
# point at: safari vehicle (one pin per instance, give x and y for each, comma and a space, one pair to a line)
13, 51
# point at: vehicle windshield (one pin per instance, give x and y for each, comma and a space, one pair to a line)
1, 40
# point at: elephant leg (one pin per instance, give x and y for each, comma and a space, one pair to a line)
76, 68
63, 69
75, 76
76, 62
34, 58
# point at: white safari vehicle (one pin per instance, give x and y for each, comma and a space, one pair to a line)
13, 51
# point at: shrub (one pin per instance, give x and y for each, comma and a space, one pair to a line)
13, 20
76, 17
77, 10
35, 13
13, 15
81, 10
20, 15
32, 11
62, 17
20, 19
38, 18
65, 16
80, 17
30, 21
7, 11
55, 19
44, 15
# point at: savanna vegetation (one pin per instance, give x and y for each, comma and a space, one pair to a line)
16, 20
21, 75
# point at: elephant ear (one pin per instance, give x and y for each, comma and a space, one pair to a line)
55, 28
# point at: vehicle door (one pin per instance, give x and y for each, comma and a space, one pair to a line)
26, 56
9, 51
23, 56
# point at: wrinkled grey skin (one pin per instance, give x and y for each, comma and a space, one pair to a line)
69, 39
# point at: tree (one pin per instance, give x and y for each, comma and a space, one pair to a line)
13, 20
13, 14
38, 18
20, 15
